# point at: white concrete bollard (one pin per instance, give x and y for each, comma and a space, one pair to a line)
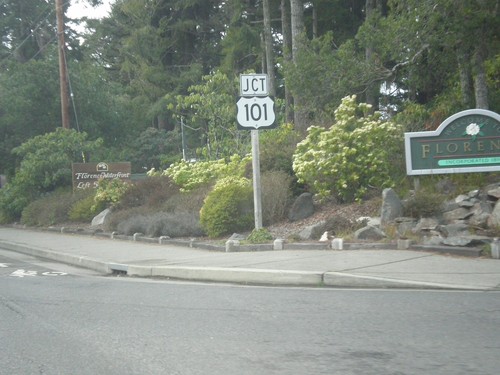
338, 244
495, 249
279, 244
231, 245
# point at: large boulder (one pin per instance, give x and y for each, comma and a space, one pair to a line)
100, 218
392, 207
312, 232
302, 208
369, 233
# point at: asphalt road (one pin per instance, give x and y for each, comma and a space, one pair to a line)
61, 320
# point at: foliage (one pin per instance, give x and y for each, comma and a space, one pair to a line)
323, 75
424, 203
158, 224
275, 195
192, 175
85, 209
49, 209
260, 236
152, 191
228, 207
210, 110
277, 147
171, 214
152, 148
110, 191
187, 201
45, 165
341, 226
27, 105
353, 155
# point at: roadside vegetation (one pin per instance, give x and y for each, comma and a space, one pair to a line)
155, 83
348, 162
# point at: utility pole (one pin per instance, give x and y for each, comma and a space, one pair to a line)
63, 75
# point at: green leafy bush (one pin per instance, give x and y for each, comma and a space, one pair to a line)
109, 192
45, 165
260, 236
228, 207
354, 154
86, 208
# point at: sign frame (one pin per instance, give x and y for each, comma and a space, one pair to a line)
464, 132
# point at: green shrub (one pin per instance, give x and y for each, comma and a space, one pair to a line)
424, 203
109, 192
45, 166
228, 207
353, 155
49, 210
86, 208
260, 236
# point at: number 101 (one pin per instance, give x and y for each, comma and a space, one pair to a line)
255, 111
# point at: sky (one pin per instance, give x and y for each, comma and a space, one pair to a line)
81, 8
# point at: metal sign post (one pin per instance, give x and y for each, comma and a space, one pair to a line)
255, 111
257, 202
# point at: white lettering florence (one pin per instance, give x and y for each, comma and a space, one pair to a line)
86, 176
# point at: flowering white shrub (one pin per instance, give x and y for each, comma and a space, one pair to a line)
355, 153
192, 175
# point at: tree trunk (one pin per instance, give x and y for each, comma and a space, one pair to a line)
466, 84
297, 18
297, 12
315, 19
287, 55
372, 90
480, 84
268, 41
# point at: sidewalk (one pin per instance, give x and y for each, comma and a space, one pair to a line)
299, 267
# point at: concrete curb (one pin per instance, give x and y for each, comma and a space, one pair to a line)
338, 279
232, 275
79, 261
236, 275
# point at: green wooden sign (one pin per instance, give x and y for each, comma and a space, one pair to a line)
468, 141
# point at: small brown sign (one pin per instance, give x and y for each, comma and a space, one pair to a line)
87, 175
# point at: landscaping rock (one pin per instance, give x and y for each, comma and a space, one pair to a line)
392, 207
302, 208
101, 217
369, 233
313, 232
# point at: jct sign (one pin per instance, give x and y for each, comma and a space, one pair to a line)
87, 175
468, 141
255, 108
255, 113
